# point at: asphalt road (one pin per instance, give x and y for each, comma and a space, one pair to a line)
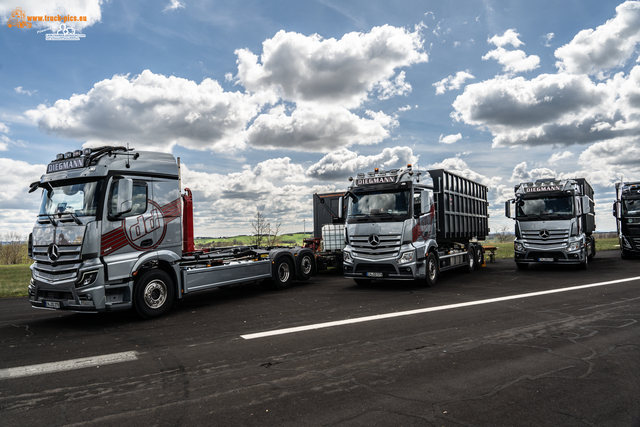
569, 358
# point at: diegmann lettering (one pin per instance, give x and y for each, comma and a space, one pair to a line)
65, 165
376, 180
543, 188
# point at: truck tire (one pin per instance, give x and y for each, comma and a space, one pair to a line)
624, 254
522, 266
471, 258
305, 266
153, 294
479, 257
432, 270
584, 265
593, 249
283, 273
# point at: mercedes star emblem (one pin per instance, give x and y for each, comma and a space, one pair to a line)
54, 252
544, 234
374, 240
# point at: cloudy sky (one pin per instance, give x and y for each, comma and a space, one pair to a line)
267, 102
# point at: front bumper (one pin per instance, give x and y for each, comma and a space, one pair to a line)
558, 255
93, 298
383, 269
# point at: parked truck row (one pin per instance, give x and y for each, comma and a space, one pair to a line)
115, 231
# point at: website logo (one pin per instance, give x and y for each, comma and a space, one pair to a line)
65, 33
18, 19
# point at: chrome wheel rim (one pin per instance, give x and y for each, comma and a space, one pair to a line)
155, 294
283, 272
306, 265
432, 270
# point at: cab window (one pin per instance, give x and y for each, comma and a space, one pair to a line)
139, 200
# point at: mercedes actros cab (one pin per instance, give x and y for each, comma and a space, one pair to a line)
405, 224
554, 222
115, 231
626, 209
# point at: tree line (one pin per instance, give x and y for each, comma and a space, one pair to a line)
13, 249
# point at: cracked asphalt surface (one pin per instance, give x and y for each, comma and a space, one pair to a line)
565, 359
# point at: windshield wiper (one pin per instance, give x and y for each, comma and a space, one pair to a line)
51, 219
75, 217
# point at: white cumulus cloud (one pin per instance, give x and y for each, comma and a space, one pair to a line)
608, 46
452, 82
450, 139
328, 71
343, 163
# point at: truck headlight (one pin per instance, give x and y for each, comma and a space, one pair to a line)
574, 246
518, 246
406, 257
87, 279
347, 257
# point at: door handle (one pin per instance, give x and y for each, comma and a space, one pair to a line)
146, 243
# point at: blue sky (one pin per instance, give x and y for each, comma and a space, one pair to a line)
268, 102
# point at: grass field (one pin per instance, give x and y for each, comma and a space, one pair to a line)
14, 279
286, 240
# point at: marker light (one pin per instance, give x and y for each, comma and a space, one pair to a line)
68, 155
77, 153
86, 151
59, 156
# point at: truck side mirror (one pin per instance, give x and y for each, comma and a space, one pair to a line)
340, 206
586, 206
615, 209
507, 208
125, 196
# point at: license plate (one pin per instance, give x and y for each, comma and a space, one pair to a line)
52, 304
374, 274
545, 259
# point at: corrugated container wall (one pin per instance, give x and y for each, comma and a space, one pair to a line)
461, 207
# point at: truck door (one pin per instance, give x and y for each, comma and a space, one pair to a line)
124, 236
167, 204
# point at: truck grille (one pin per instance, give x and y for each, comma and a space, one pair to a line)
555, 237
389, 246
64, 268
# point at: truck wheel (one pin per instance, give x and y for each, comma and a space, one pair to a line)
305, 266
624, 254
593, 249
362, 282
584, 265
283, 273
153, 294
479, 257
432, 270
471, 255
522, 266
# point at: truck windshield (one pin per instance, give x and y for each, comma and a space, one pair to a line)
631, 207
545, 207
381, 203
64, 198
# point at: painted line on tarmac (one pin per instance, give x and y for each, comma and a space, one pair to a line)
427, 310
68, 365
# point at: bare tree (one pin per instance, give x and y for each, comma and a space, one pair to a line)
260, 229
14, 249
503, 234
274, 234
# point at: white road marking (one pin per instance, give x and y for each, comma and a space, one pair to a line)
427, 310
68, 365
